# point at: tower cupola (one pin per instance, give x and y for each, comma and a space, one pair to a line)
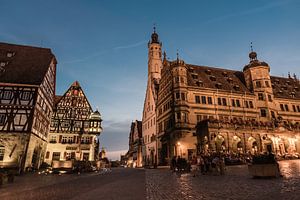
154, 36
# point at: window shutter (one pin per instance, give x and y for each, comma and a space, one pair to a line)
60, 137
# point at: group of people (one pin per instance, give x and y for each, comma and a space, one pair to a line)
213, 164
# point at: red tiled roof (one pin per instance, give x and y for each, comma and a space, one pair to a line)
24, 64
217, 78
285, 87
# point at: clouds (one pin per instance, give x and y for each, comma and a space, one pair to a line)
99, 53
131, 45
247, 12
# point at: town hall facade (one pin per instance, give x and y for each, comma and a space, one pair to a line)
189, 109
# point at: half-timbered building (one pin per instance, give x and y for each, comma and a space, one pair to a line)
74, 128
27, 88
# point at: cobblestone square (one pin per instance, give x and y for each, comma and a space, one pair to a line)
156, 184
236, 184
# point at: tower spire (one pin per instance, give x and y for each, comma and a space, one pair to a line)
252, 54
154, 36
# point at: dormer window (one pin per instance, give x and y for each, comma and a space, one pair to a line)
225, 74
284, 87
292, 94
236, 87
296, 88
199, 83
229, 80
213, 78
219, 85
208, 72
277, 81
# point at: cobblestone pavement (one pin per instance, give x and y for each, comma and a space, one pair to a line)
236, 184
127, 184
156, 184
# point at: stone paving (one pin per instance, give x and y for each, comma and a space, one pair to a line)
156, 184
127, 184
236, 184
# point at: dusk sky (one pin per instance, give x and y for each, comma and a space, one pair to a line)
103, 44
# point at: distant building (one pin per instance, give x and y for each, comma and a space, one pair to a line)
27, 90
134, 155
74, 128
190, 109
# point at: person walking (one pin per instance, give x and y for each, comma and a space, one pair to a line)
194, 166
173, 164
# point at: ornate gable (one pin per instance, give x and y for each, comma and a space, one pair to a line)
71, 111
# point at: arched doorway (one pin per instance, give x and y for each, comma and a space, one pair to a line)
252, 143
237, 146
220, 143
267, 144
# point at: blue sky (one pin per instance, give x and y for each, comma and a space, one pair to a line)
103, 44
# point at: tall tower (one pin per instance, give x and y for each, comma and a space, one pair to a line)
257, 77
149, 150
154, 57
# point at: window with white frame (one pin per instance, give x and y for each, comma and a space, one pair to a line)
25, 95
